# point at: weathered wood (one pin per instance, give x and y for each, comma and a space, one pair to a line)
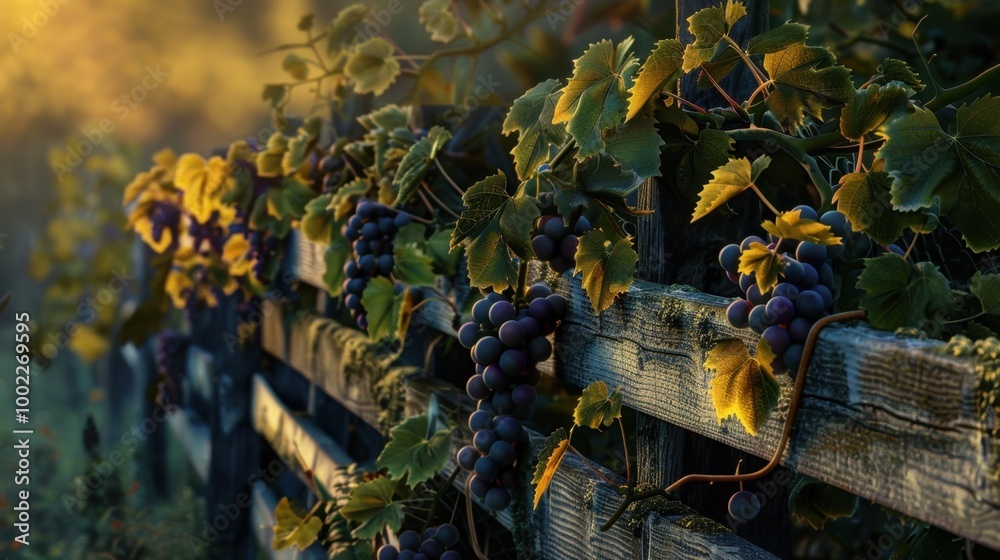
195, 437
262, 522
892, 420
299, 442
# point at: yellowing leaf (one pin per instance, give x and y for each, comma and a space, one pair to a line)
343, 28
549, 458
805, 79
290, 529
538, 139
734, 177
868, 108
864, 197
372, 66
296, 66
203, 183
236, 254
791, 225
740, 387
661, 70
597, 407
710, 26
763, 263
438, 19
607, 264
88, 344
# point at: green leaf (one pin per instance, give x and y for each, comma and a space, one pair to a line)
791, 225
383, 308
372, 66
299, 146
290, 529
600, 175
740, 387
865, 199
438, 248
815, 502
961, 170
416, 162
694, 160
728, 181
779, 38
492, 225
386, 118
413, 267
901, 294
342, 29
549, 458
317, 224
438, 19
597, 407
411, 235
608, 266
274, 94
296, 66
893, 69
594, 100
355, 550
868, 108
986, 288
411, 453
295, 194
538, 139
719, 67
763, 263
371, 504
661, 70
805, 80
635, 145
346, 198
335, 258
710, 26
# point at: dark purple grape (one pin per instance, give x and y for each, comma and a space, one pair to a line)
793, 271
503, 401
747, 280
388, 552
476, 387
785, 290
744, 506
738, 313
729, 258
513, 362
481, 311
432, 548
799, 329
582, 226
792, 358
811, 253
806, 212
480, 420
758, 319
509, 429
810, 305
385, 264
536, 291
451, 555
487, 468
467, 457
838, 222
780, 310
409, 555
777, 338
447, 534
541, 310
524, 395
468, 334
826, 294
559, 305
751, 240
479, 488
487, 350
409, 540
834, 251
497, 499
495, 377
567, 247
501, 312
484, 439
532, 328
503, 453
539, 349
403, 219
809, 277
369, 230
544, 247
826, 277
556, 229
755, 297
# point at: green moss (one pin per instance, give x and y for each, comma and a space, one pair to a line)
987, 353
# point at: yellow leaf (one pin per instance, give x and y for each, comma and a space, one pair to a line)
144, 227
549, 459
729, 180
740, 386
88, 344
236, 254
290, 529
763, 263
791, 225
203, 183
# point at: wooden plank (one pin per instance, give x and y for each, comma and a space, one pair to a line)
262, 524
890, 419
300, 443
195, 437
199, 372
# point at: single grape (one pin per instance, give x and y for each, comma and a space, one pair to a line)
501, 312
479, 488
432, 548
541, 310
539, 349
497, 499
780, 310
793, 271
409, 540
834, 251
407, 555
467, 457
468, 334
567, 247
403, 219
503, 401
387, 552
785, 290
750, 240
809, 305
484, 440
480, 420
811, 253
476, 387
838, 222
503, 453
544, 247
487, 350
447, 534
509, 429
777, 338
385, 264
744, 506
450, 555
524, 395
826, 276
582, 226
487, 468
799, 329
536, 291
826, 294
738, 313
559, 304
758, 319
806, 212
755, 297
556, 229
532, 328
428, 533
747, 280
729, 258
513, 362
809, 277
481, 310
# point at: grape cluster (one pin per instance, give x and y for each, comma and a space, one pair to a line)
208, 237
555, 242
507, 342
263, 248
784, 315
165, 217
432, 545
372, 230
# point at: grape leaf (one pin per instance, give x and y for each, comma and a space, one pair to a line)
296, 66
416, 162
893, 69
269, 160
274, 94
298, 147
290, 529
371, 504
962, 170
607, 264
815, 502
763, 263
383, 308
389, 117
531, 116
343, 28
492, 225
346, 198
805, 79
719, 67
438, 248
601, 175
710, 26
901, 294
729, 180
350, 550
868, 108
410, 452
317, 223
864, 198
203, 183
372, 66
694, 160
740, 386
778, 38
594, 100
635, 145
986, 288
413, 267
549, 458
661, 70
791, 225
335, 257
439, 21
411, 235
597, 407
